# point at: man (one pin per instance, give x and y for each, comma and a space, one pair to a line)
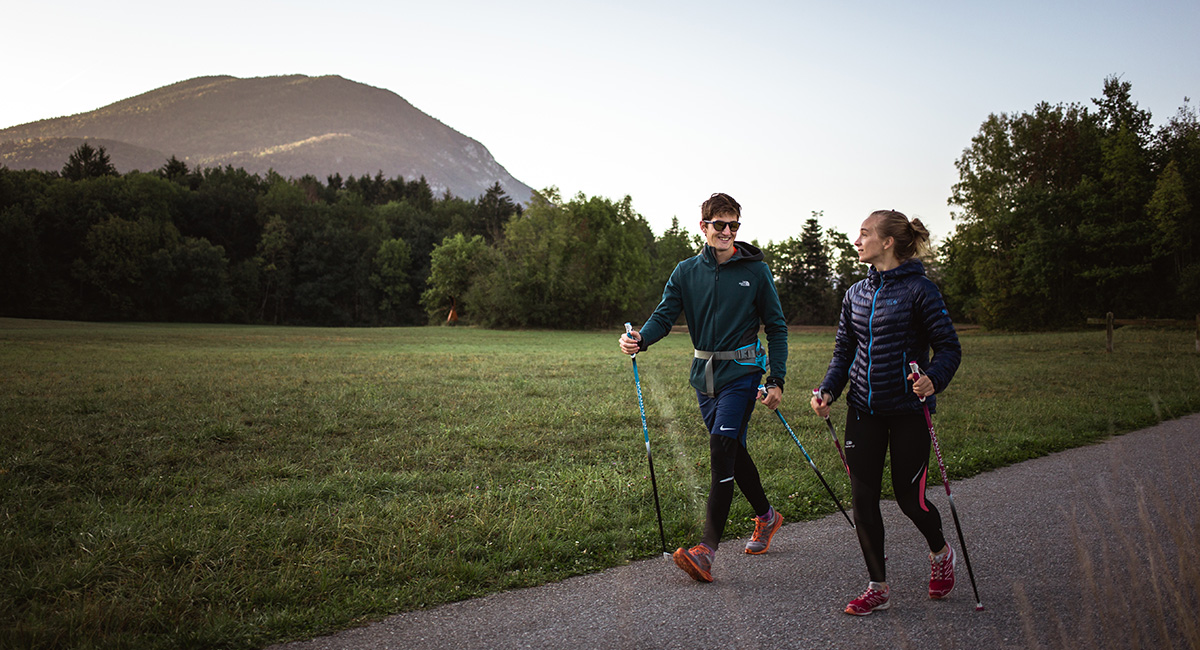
726, 292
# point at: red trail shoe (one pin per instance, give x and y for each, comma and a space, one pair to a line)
875, 597
941, 574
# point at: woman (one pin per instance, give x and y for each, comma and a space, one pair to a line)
892, 317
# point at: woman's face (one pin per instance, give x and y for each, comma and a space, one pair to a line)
871, 249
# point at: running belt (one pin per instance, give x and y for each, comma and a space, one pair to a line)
749, 355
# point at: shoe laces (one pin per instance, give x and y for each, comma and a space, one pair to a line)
872, 596
760, 528
943, 567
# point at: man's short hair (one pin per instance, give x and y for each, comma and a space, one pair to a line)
720, 203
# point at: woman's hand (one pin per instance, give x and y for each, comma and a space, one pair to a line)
820, 404
922, 385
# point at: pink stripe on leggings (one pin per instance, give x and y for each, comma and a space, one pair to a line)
921, 499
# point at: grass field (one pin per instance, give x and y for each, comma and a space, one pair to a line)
176, 486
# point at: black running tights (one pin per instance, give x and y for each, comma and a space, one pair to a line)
868, 438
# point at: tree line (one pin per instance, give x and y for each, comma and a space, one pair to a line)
225, 245
1062, 213
1067, 212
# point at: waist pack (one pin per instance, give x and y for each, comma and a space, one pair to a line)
748, 355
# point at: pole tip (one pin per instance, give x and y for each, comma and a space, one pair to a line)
668, 555
978, 607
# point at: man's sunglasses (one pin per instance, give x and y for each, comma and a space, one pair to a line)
720, 225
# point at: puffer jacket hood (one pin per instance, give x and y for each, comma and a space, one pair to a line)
889, 319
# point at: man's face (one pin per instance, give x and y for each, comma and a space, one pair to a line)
720, 240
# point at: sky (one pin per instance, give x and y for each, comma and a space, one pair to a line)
791, 107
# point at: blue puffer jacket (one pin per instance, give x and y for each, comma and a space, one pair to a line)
887, 320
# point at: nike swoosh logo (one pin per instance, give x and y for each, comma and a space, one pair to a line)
727, 429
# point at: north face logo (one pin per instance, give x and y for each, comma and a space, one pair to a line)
745, 283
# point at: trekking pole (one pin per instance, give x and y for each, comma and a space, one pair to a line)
833, 435
811, 464
646, 435
916, 370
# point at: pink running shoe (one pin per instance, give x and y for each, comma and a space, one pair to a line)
696, 561
760, 541
872, 599
941, 574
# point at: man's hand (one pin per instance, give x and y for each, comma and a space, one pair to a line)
772, 397
630, 345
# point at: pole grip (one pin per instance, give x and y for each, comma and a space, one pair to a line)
629, 333
916, 370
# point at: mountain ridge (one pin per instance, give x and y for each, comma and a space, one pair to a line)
292, 124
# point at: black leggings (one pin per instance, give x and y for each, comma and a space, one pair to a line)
731, 463
727, 416
867, 440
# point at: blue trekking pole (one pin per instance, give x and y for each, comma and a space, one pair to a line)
811, 464
916, 370
646, 435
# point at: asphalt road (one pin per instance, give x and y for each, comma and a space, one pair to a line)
1092, 547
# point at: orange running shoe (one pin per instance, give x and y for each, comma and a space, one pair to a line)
760, 541
696, 562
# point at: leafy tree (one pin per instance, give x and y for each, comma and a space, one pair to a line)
88, 162
177, 171
1169, 210
812, 272
21, 267
493, 209
420, 194
325, 266
666, 252
1067, 212
274, 260
579, 264
423, 230
193, 280
1179, 141
455, 265
845, 268
804, 280
117, 263
1175, 207
1024, 184
390, 276
224, 210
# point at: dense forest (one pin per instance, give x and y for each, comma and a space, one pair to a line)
1062, 213
224, 245
1068, 212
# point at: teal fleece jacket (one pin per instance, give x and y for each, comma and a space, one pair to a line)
724, 306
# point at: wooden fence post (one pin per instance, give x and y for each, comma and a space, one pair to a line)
1108, 327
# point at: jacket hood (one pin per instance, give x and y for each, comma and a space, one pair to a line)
743, 252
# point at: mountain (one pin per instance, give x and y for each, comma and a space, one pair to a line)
295, 125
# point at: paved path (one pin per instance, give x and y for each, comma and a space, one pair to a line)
1062, 548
